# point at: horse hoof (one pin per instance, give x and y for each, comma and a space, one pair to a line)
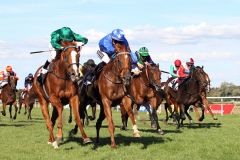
113, 146
136, 135
87, 140
201, 119
14, 117
160, 132
72, 133
3, 113
154, 126
55, 145
49, 142
215, 118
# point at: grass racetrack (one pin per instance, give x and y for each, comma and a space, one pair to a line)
24, 139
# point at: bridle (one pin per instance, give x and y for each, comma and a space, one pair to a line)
151, 82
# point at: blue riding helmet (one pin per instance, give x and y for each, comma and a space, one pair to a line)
118, 35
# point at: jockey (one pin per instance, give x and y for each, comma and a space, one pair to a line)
143, 58
4, 75
55, 47
107, 50
189, 66
177, 71
28, 82
90, 65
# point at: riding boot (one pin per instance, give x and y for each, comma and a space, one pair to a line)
43, 74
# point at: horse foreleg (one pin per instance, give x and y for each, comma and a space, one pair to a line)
206, 104
127, 103
16, 109
93, 105
30, 111
45, 112
54, 116
197, 113
10, 111
74, 102
20, 107
4, 109
99, 122
108, 113
70, 115
188, 115
153, 103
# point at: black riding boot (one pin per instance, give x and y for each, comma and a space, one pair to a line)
42, 76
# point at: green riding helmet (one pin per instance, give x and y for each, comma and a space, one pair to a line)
143, 51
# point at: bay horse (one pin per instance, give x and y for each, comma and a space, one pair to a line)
8, 96
191, 92
112, 84
60, 88
144, 90
28, 100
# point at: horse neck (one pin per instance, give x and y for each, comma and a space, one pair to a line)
111, 69
59, 67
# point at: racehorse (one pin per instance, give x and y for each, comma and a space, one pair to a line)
203, 104
144, 90
84, 98
8, 96
28, 100
112, 83
60, 88
190, 92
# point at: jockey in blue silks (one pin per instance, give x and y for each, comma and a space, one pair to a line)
108, 51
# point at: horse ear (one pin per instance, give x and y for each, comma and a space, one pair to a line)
202, 67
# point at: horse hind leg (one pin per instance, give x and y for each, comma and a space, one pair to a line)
124, 117
4, 109
155, 117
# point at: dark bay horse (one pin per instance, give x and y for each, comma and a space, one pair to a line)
28, 101
144, 90
84, 97
190, 92
8, 96
60, 88
112, 83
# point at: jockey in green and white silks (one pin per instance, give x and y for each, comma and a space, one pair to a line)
62, 34
144, 58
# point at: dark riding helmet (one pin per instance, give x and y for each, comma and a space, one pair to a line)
91, 62
30, 75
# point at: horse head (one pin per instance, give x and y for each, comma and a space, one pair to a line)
202, 77
12, 81
153, 74
70, 60
122, 62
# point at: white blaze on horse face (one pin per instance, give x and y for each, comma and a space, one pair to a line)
74, 62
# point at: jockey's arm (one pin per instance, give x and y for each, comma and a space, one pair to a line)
172, 72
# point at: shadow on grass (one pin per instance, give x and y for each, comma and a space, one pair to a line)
14, 125
203, 125
120, 140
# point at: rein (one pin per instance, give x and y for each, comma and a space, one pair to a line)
114, 73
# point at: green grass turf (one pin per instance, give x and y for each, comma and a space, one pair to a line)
24, 139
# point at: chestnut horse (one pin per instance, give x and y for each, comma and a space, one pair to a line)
60, 88
8, 96
144, 90
112, 83
28, 101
